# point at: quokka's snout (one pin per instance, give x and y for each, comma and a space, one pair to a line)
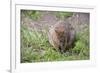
61, 36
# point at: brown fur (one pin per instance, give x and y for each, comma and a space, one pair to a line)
61, 36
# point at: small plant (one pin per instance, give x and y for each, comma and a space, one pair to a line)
35, 15
63, 15
82, 44
35, 47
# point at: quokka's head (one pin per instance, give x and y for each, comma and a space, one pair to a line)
59, 32
61, 28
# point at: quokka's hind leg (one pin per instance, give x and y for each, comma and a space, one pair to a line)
61, 50
55, 49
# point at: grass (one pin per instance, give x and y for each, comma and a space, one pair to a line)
33, 14
63, 15
35, 47
36, 15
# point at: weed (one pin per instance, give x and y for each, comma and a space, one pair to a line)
63, 15
35, 47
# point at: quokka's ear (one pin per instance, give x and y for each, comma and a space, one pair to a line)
59, 31
56, 30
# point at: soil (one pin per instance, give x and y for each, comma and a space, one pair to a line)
77, 20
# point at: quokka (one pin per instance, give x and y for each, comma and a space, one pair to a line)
61, 36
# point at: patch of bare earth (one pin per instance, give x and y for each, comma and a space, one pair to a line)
78, 21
